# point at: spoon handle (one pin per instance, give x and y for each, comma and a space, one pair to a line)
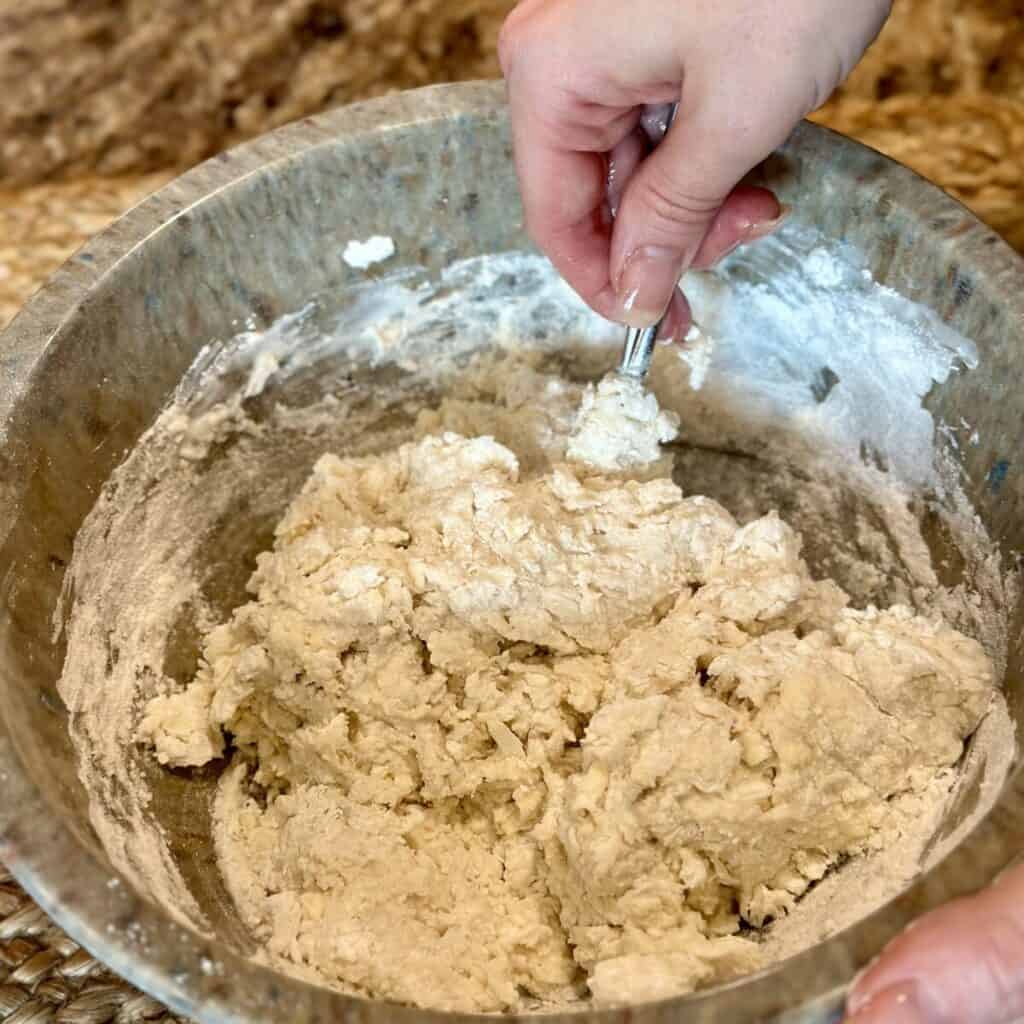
638, 349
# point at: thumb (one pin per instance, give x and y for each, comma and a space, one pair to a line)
668, 209
961, 964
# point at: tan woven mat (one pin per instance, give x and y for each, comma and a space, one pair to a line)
45, 977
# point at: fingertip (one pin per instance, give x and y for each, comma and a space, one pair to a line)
747, 214
898, 1004
678, 320
755, 204
957, 957
896, 966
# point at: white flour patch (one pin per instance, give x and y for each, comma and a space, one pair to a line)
811, 346
697, 351
363, 255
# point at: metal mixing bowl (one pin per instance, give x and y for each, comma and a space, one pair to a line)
98, 352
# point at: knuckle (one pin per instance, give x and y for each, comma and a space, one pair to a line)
670, 205
515, 38
601, 128
508, 43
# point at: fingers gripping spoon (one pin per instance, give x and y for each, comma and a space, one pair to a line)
638, 349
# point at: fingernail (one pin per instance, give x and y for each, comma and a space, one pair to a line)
766, 227
647, 284
897, 1004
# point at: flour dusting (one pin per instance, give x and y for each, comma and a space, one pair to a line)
865, 359
363, 255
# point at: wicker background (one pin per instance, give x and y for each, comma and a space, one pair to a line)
83, 83
45, 977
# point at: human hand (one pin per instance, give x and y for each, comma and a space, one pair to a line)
961, 964
580, 75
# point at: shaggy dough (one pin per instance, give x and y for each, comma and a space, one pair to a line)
620, 429
504, 738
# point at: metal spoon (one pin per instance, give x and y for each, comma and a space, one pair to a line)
638, 349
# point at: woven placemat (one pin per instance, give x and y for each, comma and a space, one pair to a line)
41, 226
45, 978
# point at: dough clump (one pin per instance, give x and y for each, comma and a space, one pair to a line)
620, 428
501, 740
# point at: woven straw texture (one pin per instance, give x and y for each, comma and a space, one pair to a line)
46, 979
128, 86
82, 85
